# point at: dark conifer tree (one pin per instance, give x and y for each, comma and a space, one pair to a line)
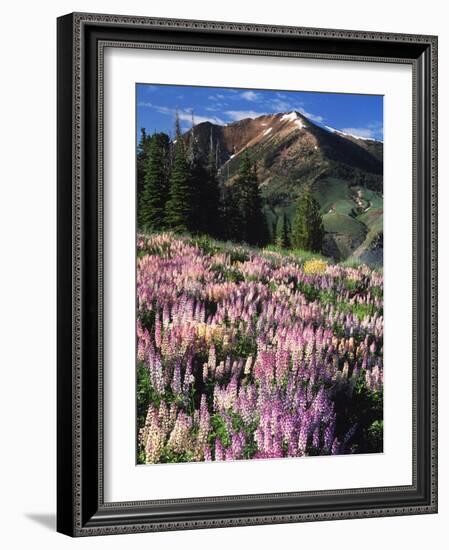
142, 155
283, 232
254, 225
273, 231
199, 183
211, 203
179, 207
307, 230
231, 217
153, 197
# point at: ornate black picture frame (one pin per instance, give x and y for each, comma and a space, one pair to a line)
81, 510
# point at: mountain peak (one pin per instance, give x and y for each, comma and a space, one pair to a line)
296, 118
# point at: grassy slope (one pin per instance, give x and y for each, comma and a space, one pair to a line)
346, 220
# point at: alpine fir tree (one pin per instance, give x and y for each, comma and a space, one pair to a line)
154, 194
210, 200
204, 186
179, 207
142, 156
254, 226
307, 231
231, 218
283, 232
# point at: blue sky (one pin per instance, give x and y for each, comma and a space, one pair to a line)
360, 115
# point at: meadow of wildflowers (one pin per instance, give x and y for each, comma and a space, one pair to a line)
246, 353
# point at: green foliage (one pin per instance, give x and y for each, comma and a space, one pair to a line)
144, 393
359, 310
298, 254
375, 435
205, 244
219, 430
364, 407
154, 194
283, 232
307, 231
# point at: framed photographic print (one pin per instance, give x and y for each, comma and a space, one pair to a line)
246, 274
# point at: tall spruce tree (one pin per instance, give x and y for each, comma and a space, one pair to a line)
142, 156
179, 207
307, 230
231, 218
151, 207
211, 195
283, 232
254, 226
200, 186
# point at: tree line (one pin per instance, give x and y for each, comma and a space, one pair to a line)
180, 191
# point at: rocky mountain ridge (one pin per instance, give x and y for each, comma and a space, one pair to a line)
345, 173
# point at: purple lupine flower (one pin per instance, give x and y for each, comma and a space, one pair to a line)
335, 450
284, 389
176, 381
219, 450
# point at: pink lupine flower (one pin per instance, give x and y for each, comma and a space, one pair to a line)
219, 450
257, 352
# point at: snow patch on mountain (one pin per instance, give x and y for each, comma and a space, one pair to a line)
364, 138
295, 118
267, 131
290, 117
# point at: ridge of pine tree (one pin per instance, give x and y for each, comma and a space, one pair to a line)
211, 197
151, 208
254, 226
204, 186
199, 181
142, 156
179, 206
307, 230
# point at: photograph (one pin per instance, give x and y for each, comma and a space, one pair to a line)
259, 274
247, 275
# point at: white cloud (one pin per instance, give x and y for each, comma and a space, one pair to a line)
311, 116
275, 106
250, 96
239, 115
280, 105
359, 132
185, 115
377, 128
215, 107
